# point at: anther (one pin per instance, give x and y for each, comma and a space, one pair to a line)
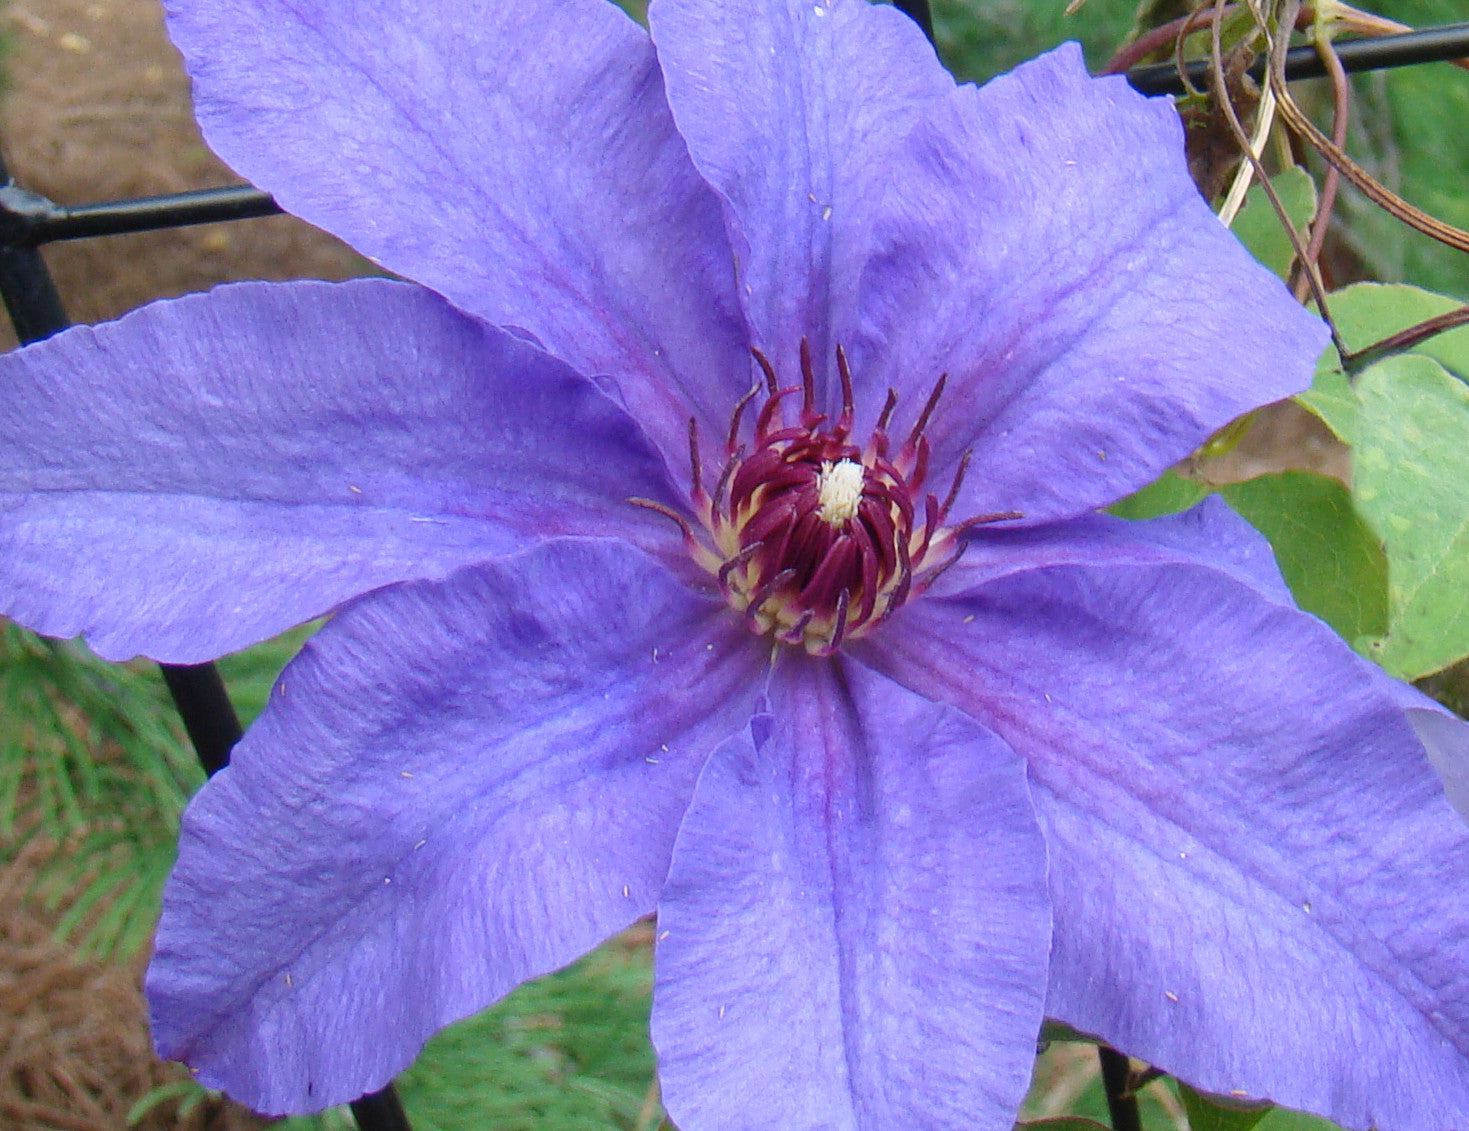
771, 382
959, 473
923, 417
666, 512
695, 464
739, 412
849, 412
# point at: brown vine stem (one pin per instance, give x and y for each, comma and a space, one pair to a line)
1164, 35
1221, 92
1341, 98
1365, 183
1406, 339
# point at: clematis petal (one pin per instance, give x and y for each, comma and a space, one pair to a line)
1209, 534
855, 926
791, 109
1258, 882
1041, 243
458, 785
207, 472
517, 158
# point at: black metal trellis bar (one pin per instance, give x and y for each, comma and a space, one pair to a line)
40, 220
198, 692
28, 220
1376, 53
208, 715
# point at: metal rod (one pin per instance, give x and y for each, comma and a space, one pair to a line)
34, 220
207, 713
28, 220
1117, 1083
1432, 45
381, 1111
25, 284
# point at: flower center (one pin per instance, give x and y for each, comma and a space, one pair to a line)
839, 490
813, 538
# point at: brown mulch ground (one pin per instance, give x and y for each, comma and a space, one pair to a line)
98, 109
74, 1049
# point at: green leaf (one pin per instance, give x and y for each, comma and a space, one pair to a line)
1411, 484
1062, 1123
1259, 228
1218, 1113
1332, 561
1284, 1119
1366, 314
1369, 312
1168, 494
1332, 398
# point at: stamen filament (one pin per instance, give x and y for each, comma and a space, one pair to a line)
734, 421
771, 383
696, 466
666, 512
923, 417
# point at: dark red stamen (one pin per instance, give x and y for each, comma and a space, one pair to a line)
739, 411
817, 539
731, 465
844, 422
808, 387
696, 466
958, 482
743, 558
771, 382
666, 512
923, 417
768, 411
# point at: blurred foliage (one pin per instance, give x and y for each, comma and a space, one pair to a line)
1406, 132
1258, 225
568, 1052
979, 39
637, 9
94, 775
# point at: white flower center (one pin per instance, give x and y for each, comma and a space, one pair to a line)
839, 490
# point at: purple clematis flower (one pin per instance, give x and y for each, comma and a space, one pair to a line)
712, 533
